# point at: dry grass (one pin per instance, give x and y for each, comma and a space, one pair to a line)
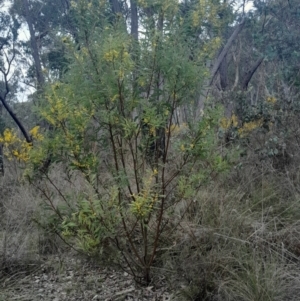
238, 244
239, 239
21, 242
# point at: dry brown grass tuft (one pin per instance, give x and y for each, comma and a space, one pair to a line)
239, 239
235, 244
21, 242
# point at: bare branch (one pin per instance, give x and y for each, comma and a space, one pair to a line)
16, 120
236, 59
9, 62
5, 74
225, 50
250, 73
35, 52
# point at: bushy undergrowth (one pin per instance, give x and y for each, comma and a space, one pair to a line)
120, 136
237, 244
236, 239
120, 178
22, 243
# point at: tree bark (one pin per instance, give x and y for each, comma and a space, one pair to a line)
223, 73
34, 46
115, 6
250, 73
1, 161
134, 19
16, 119
3, 95
1, 147
225, 50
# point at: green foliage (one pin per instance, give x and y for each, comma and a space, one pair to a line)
113, 123
93, 223
129, 164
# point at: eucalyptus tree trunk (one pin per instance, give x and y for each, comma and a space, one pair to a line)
1, 161
34, 46
220, 84
1, 146
115, 6
134, 20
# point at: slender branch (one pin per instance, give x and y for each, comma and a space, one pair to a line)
58, 190
9, 61
10, 111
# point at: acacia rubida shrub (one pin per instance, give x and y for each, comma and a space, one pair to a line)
112, 122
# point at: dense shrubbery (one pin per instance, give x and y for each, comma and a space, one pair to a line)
116, 132
130, 174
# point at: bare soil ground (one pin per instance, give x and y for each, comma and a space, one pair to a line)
73, 279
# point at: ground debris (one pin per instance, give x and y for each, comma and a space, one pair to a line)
73, 279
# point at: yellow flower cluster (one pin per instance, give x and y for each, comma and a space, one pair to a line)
73, 4
271, 100
34, 132
246, 128
152, 131
125, 55
141, 82
80, 165
195, 19
124, 61
58, 108
205, 11
14, 147
23, 153
144, 202
176, 129
111, 55
121, 74
142, 206
226, 123
185, 147
142, 3
250, 126
8, 137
